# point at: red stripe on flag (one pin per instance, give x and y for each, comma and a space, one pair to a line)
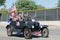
13, 9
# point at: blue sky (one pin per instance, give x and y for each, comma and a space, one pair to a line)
46, 3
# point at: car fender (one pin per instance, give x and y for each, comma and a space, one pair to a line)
43, 26
7, 26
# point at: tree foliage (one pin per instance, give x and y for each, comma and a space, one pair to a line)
2, 2
3, 11
40, 7
27, 5
58, 3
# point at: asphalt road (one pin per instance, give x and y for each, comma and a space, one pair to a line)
54, 34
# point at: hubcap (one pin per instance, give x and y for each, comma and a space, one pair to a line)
45, 32
9, 31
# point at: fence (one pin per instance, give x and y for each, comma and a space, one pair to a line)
42, 15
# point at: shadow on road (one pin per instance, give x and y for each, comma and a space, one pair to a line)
22, 36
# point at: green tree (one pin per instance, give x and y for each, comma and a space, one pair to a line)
2, 2
58, 3
40, 7
3, 11
24, 5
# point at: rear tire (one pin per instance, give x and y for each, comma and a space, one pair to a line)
45, 32
9, 32
27, 33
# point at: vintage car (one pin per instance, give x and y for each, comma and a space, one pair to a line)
28, 26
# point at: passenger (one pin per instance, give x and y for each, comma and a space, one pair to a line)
13, 17
20, 17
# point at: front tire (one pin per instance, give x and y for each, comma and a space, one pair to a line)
45, 32
27, 33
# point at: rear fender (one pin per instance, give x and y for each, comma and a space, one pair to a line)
7, 26
26, 27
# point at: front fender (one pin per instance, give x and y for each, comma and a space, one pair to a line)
43, 26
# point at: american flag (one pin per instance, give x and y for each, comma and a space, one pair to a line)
13, 9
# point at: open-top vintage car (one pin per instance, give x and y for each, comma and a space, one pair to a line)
28, 27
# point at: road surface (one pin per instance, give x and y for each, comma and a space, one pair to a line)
54, 34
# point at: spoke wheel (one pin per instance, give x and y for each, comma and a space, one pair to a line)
45, 32
27, 33
9, 32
